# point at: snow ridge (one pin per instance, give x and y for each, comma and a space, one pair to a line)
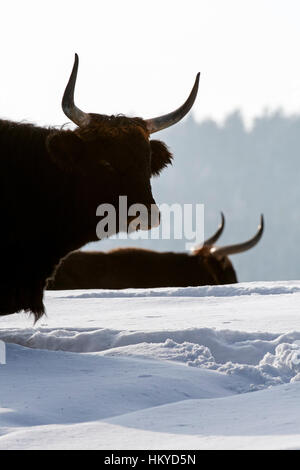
263, 359
231, 290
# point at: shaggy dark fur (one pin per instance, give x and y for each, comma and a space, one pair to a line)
138, 268
51, 182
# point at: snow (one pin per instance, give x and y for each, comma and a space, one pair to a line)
175, 368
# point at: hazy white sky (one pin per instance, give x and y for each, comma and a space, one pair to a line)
140, 57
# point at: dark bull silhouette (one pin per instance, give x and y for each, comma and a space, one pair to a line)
52, 181
132, 267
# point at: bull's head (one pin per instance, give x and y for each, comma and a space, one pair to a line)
217, 257
220, 255
118, 147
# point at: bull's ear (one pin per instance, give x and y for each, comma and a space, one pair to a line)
66, 149
160, 157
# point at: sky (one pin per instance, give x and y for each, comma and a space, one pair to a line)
141, 58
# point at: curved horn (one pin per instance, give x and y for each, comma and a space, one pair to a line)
239, 248
167, 120
212, 240
69, 108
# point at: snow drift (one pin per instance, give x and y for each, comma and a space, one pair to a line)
158, 377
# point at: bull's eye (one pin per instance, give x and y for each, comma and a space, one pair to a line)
106, 164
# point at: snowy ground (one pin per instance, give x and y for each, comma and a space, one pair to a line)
189, 368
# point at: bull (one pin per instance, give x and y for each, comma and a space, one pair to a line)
52, 181
139, 268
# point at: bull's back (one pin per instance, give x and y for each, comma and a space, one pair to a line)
130, 268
